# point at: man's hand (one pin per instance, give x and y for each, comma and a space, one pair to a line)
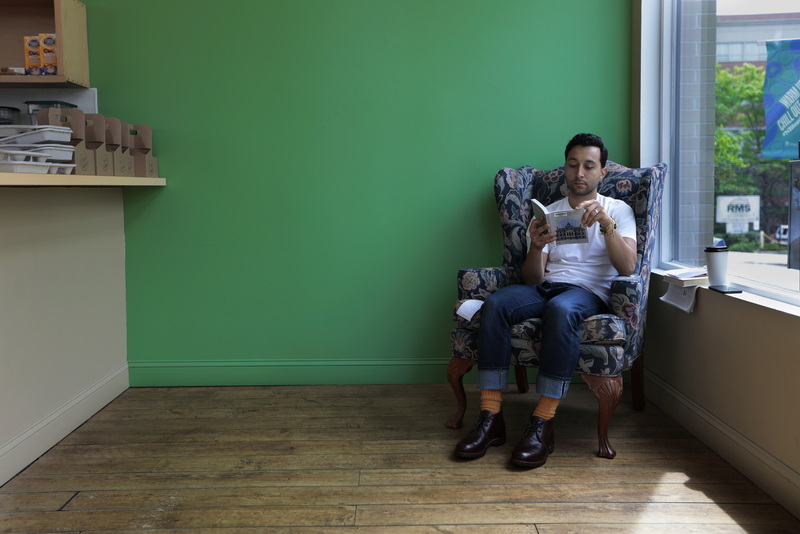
540, 235
594, 213
533, 268
621, 250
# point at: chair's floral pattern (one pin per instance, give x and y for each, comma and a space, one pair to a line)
609, 342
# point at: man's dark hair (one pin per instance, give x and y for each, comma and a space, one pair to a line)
587, 139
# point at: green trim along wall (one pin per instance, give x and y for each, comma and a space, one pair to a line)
330, 166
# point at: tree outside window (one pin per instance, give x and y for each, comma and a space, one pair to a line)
739, 167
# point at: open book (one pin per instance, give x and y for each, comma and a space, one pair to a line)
566, 224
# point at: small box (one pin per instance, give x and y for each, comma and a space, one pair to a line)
47, 53
117, 145
33, 56
127, 154
114, 145
145, 164
96, 142
84, 160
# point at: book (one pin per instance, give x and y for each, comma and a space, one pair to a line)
687, 282
566, 224
687, 272
687, 276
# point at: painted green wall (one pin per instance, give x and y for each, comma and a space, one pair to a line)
329, 167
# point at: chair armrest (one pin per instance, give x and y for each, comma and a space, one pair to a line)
462, 322
479, 283
627, 293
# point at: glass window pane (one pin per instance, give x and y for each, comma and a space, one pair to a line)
727, 190
736, 51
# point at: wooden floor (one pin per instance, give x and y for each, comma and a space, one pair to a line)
371, 459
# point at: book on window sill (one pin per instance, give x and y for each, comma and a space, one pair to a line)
566, 224
686, 277
687, 282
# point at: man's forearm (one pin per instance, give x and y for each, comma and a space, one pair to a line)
621, 252
533, 268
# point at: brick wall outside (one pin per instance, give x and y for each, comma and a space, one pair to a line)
695, 132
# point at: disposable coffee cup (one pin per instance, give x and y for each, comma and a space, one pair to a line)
717, 264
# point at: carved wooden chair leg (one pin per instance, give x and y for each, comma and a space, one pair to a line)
456, 370
521, 373
608, 390
637, 383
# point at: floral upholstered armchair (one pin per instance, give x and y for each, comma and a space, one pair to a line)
610, 343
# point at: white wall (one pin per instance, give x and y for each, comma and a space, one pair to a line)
62, 315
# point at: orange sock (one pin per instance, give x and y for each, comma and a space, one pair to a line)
491, 400
546, 409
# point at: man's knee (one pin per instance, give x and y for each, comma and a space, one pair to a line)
504, 300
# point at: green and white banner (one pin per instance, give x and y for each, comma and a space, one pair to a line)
782, 100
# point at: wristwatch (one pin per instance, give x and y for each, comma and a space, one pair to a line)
609, 229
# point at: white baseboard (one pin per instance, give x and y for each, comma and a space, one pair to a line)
781, 482
21, 450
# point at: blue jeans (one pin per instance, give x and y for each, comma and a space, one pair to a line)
562, 307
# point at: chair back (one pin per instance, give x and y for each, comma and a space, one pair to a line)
641, 188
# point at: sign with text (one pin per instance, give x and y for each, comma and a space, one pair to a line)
737, 211
782, 100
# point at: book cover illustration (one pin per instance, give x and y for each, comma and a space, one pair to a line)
566, 224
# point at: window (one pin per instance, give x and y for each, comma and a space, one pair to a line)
720, 185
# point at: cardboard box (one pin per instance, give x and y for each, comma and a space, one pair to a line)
114, 145
127, 155
96, 142
83, 158
47, 52
145, 164
33, 57
104, 146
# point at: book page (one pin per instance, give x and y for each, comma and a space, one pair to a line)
539, 211
469, 308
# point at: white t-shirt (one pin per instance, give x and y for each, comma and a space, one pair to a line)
587, 264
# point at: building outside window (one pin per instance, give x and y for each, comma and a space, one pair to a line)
723, 186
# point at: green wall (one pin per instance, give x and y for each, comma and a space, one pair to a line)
330, 166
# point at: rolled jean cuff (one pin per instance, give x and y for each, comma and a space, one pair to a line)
548, 386
493, 379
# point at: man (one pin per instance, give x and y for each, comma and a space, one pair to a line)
563, 285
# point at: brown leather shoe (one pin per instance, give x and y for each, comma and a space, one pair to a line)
536, 444
489, 431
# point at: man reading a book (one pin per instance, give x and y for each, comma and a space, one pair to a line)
563, 285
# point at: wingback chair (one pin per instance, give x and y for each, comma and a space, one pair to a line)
610, 343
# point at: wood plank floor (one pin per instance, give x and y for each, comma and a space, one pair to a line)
247, 460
